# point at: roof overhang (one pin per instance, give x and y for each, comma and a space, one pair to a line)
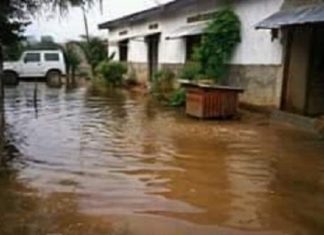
135, 37
171, 6
310, 14
187, 30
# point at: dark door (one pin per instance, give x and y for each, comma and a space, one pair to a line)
123, 51
192, 42
315, 93
153, 54
297, 70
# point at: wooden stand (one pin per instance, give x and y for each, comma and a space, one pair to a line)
211, 101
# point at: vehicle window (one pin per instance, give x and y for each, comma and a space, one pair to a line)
32, 57
51, 57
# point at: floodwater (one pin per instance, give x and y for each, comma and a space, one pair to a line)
119, 164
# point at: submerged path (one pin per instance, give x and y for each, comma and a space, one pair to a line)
117, 163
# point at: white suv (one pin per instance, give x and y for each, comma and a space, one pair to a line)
34, 64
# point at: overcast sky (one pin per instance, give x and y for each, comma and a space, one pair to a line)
71, 26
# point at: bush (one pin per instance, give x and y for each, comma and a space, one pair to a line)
218, 44
95, 52
164, 89
112, 72
191, 71
163, 82
178, 98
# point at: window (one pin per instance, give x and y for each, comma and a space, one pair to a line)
32, 58
201, 17
52, 57
153, 26
122, 33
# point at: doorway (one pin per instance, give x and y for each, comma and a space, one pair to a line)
153, 54
123, 50
303, 84
315, 94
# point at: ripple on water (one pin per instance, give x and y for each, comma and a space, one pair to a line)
120, 154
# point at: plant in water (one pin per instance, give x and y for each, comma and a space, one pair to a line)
95, 51
190, 71
178, 98
221, 37
112, 72
163, 83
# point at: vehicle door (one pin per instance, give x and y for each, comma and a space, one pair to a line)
32, 65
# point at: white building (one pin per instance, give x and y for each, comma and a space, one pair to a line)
164, 37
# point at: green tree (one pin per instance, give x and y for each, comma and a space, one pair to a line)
95, 51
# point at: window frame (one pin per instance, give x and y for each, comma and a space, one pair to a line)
51, 54
27, 60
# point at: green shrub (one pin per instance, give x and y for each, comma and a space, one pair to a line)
221, 37
112, 72
164, 89
95, 52
190, 71
163, 82
178, 98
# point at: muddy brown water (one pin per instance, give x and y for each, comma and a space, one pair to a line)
117, 163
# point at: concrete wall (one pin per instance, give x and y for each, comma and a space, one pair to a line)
256, 46
262, 83
256, 62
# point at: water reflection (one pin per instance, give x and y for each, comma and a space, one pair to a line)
120, 157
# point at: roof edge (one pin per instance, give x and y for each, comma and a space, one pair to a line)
137, 16
146, 14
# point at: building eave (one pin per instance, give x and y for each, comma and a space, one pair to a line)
144, 15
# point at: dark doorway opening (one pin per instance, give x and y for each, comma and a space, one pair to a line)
303, 84
123, 50
153, 54
315, 93
192, 42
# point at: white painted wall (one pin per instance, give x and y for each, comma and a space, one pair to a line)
256, 46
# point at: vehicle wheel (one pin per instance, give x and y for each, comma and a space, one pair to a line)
10, 78
53, 78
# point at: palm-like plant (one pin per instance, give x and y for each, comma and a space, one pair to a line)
95, 51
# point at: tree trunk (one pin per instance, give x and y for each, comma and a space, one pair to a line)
1, 79
73, 81
2, 121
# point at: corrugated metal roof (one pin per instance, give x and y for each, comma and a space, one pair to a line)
296, 16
